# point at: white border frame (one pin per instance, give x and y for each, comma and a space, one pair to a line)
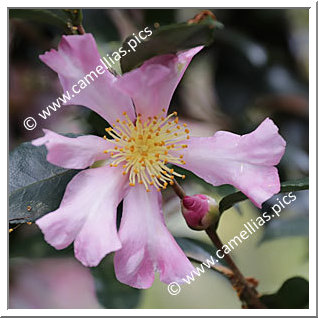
312, 164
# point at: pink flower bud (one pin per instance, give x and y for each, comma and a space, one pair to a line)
200, 211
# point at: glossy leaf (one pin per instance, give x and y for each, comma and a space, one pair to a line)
296, 226
294, 294
26, 241
36, 187
39, 15
169, 39
196, 250
201, 252
288, 186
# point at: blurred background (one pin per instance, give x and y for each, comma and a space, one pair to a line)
257, 67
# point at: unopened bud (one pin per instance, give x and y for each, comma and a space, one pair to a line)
200, 211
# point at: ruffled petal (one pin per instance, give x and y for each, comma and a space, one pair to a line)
73, 153
152, 85
87, 215
147, 245
247, 162
77, 56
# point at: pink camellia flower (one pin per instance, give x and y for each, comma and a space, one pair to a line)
143, 141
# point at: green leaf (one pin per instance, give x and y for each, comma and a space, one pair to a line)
201, 252
110, 292
287, 186
36, 187
295, 185
196, 250
294, 294
39, 15
26, 241
296, 226
169, 39
231, 199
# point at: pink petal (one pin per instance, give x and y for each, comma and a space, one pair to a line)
72, 153
147, 245
152, 85
87, 215
76, 57
247, 161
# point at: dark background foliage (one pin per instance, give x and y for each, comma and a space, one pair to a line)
257, 67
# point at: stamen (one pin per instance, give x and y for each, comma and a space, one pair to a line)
146, 147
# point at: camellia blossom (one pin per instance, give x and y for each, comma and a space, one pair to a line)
140, 143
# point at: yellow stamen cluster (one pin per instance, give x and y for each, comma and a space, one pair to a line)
145, 147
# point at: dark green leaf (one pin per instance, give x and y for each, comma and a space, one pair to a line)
294, 294
231, 199
110, 292
169, 39
39, 15
205, 255
36, 187
287, 186
295, 185
196, 250
295, 226
26, 241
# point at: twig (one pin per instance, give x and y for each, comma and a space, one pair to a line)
245, 291
178, 189
80, 29
245, 288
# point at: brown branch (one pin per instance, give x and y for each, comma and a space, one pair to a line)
245, 287
80, 29
178, 189
245, 291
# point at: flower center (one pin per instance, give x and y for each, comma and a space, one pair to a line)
146, 147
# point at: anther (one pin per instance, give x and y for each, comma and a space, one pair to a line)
143, 148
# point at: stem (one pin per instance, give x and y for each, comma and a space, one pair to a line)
246, 292
178, 189
80, 29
